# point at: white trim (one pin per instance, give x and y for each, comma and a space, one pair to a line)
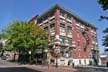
45, 21
40, 24
62, 17
63, 34
70, 36
56, 42
76, 61
82, 26
52, 33
78, 24
69, 20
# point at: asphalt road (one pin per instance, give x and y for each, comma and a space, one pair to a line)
6, 66
17, 69
4, 63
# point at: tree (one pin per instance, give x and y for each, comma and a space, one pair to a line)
24, 37
105, 37
1, 46
104, 4
0, 43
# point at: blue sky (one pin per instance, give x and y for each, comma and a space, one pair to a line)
89, 10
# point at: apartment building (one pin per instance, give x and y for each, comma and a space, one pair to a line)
73, 41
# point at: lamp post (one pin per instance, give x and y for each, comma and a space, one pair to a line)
45, 51
106, 50
30, 57
57, 51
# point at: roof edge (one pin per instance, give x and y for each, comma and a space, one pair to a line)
68, 11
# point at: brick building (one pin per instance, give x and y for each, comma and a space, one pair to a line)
72, 40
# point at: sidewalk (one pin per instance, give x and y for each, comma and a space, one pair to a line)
52, 68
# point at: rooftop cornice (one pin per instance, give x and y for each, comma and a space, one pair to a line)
69, 12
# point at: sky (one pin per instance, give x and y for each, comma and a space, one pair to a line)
24, 10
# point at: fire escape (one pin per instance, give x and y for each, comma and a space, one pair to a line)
94, 53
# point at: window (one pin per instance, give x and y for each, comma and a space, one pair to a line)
93, 46
69, 17
78, 44
52, 28
62, 14
62, 27
78, 53
70, 41
51, 14
45, 17
84, 61
78, 34
77, 22
52, 38
39, 20
62, 39
84, 54
46, 23
69, 30
71, 52
63, 52
79, 61
46, 28
93, 38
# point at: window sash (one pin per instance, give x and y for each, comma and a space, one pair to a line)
62, 27
69, 17
52, 38
62, 39
71, 53
78, 44
46, 28
70, 41
69, 30
63, 52
52, 27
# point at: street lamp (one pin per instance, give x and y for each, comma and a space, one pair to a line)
29, 56
57, 51
106, 50
45, 51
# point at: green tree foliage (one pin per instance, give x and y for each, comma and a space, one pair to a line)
24, 37
1, 46
104, 4
105, 37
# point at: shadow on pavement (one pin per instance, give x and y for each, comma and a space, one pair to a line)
17, 69
82, 69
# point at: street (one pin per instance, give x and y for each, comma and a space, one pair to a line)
17, 69
6, 66
4, 63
